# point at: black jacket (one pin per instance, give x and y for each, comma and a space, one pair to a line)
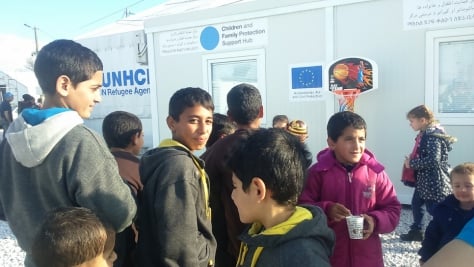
299, 241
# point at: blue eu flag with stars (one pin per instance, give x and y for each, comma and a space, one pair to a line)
307, 77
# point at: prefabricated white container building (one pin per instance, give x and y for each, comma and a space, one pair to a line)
423, 49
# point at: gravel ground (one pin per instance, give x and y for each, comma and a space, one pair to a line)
11, 254
396, 253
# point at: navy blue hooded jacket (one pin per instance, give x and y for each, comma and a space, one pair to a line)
448, 220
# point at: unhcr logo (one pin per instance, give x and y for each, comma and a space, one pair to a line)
126, 77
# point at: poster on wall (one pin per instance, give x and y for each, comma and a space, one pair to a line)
306, 82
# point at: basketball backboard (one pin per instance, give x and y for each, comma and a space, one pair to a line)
353, 73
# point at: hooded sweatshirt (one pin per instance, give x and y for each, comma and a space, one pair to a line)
49, 160
174, 218
302, 240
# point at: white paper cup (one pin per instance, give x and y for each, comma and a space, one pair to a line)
355, 225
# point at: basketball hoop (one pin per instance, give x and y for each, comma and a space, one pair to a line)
347, 78
346, 98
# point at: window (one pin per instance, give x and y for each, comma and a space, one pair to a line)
223, 71
449, 75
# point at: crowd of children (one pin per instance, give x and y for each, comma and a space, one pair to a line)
254, 198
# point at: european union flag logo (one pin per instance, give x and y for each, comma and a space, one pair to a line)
307, 77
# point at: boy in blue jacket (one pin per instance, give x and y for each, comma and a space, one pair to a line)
268, 173
457, 252
450, 216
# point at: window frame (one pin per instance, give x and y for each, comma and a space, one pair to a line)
434, 40
255, 54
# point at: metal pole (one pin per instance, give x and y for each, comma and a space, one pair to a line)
36, 35
36, 39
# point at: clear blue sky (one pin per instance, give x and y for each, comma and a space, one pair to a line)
56, 19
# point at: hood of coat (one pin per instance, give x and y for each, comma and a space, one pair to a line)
326, 160
153, 158
438, 131
35, 133
307, 222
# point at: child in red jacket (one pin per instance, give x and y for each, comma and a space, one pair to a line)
348, 180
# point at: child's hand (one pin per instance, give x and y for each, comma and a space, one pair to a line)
338, 212
368, 226
407, 162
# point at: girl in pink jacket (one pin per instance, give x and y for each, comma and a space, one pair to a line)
348, 180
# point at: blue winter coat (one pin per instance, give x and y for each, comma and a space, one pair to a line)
448, 220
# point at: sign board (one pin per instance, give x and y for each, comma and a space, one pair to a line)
218, 37
306, 82
419, 14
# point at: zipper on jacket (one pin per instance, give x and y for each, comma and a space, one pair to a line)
349, 175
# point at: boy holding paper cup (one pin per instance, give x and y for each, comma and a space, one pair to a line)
348, 180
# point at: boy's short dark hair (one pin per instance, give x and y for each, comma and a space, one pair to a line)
466, 168
244, 103
70, 236
186, 98
280, 118
28, 97
278, 158
341, 120
221, 125
119, 127
65, 57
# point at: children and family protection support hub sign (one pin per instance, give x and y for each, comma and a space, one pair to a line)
229, 35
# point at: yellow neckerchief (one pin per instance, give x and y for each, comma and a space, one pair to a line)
297, 217
205, 186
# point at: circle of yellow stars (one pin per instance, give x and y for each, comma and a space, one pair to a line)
306, 77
